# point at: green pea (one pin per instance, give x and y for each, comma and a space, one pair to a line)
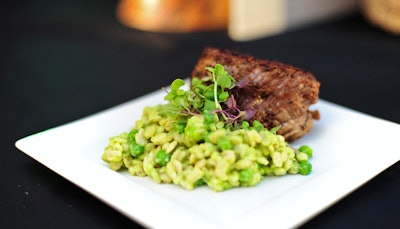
136, 149
307, 150
198, 183
179, 127
131, 136
305, 168
208, 117
224, 144
245, 175
162, 157
196, 129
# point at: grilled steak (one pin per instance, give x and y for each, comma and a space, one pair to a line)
278, 93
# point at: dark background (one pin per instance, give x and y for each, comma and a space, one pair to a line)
64, 60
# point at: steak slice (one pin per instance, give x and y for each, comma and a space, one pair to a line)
279, 94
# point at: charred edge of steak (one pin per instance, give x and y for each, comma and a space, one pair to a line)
279, 93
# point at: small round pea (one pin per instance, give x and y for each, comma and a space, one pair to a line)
224, 144
131, 135
136, 149
209, 118
307, 150
162, 157
305, 168
179, 127
199, 182
245, 175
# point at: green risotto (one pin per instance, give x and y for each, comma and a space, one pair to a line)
198, 139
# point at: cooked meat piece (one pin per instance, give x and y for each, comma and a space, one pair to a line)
278, 93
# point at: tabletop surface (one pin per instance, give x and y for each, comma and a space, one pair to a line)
64, 60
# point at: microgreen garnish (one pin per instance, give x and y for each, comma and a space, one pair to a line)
221, 80
208, 95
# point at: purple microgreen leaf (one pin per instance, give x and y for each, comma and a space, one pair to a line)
231, 102
242, 82
249, 114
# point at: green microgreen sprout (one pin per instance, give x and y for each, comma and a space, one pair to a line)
275, 129
207, 95
221, 80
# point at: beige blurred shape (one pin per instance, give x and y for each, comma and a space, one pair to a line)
384, 14
174, 16
254, 19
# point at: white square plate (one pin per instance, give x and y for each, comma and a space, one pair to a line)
349, 149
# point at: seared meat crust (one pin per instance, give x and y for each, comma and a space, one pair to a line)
280, 94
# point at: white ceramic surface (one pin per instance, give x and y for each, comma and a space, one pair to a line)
349, 149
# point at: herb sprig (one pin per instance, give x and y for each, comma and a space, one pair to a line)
208, 95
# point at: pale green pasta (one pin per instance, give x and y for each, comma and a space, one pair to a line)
200, 153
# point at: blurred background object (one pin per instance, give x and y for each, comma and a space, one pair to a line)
174, 16
384, 14
247, 20
254, 19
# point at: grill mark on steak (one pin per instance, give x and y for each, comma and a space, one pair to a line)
279, 93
